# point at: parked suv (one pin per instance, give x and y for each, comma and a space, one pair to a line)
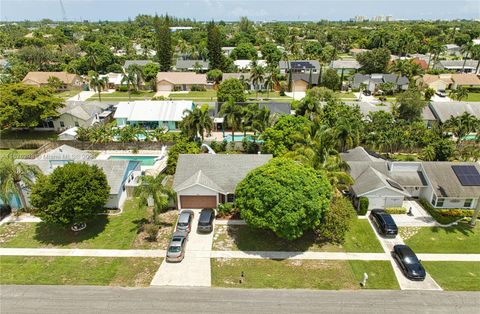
441, 93
185, 221
409, 263
384, 222
205, 222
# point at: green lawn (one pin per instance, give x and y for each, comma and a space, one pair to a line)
457, 239
360, 238
27, 135
123, 96
67, 94
457, 276
345, 95
113, 271
300, 274
473, 97
106, 232
20, 152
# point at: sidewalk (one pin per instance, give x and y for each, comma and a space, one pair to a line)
22, 218
195, 269
80, 252
82, 96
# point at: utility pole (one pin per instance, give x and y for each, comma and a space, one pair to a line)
64, 14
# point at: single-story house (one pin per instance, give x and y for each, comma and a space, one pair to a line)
180, 81
227, 51
453, 49
347, 66
436, 82
118, 172
465, 80
141, 63
356, 51
206, 180
69, 80
81, 115
389, 183
445, 110
114, 80
301, 81
372, 81
192, 65
152, 114
245, 77
468, 66
299, 66
243, 65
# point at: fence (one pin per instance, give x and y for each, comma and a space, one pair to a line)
21, 144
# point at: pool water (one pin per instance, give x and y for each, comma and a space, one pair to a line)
239, 138
144, 160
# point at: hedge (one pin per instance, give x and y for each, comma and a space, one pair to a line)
445, 216
456, 212
396, 210
363, 206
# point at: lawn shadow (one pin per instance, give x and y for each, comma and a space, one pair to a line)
462, 227
56, 235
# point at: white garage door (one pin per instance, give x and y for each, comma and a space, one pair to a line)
394, 202
164, 87
376, 202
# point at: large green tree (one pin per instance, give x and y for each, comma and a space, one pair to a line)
72, 194
231, 88
284, 197
164, 42
374, 61
214, 45
25, 106
410, 105
197, 122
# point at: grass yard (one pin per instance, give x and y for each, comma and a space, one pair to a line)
107, 232
473, 97
27, 135
360, 238
68, 93
123, 96
456, 276
300, 274
104, 271
20, 152
456, 239
348, 95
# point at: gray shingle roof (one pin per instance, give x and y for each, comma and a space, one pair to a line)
137, 62
345, 64
190, 64
223, 170
378, 79
443, 64
84, 111
445, 110
445, 182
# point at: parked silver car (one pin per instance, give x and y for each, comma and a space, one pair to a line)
184, 222
176, 248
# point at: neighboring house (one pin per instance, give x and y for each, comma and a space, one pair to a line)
468, 66
389, 183
453, 50
227, 51
141, 63
243, 65
69, 80
372, 81
152, 114
206, 180
347, 66
445, 110
114, 80
118, 172
279, 108
356, 51
244, 77
301, 81
180, 81
299, 66
435, 82
81, 115
465, 80
421, 62
192, 65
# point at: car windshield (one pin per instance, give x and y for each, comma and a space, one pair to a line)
411, 260
182, 224
174, 249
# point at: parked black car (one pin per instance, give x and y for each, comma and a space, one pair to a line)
205, 222
384, 222
5, 210
409, 263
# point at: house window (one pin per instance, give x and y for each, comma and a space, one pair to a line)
62, 124
468, 202
434, 200
230, 198
440, 202
76, 124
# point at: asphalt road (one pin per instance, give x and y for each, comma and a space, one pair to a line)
87, 299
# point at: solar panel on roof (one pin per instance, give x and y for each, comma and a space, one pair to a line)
467, 175
301, 65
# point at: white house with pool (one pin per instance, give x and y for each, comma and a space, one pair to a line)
120, 173
151, 114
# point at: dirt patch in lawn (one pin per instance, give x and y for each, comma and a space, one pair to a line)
167, 222
9, 231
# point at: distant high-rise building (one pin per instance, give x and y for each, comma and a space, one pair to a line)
360, 18
389, 18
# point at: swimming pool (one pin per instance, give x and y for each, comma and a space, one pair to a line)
239, 138
144, 160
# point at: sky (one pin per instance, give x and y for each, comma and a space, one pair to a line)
231, 10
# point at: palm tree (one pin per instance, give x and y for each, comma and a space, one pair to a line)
137, 72
269, 81
459, 93
232, 115
256, 75
428, 153
152, 188
130, 79
466, 50
462, 125
12, 175
97, 83
197, 121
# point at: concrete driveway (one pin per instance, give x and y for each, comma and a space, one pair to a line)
420, 217
195, 269
405, 284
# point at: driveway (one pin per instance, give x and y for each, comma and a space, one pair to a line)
296, 95
436, 98
419, 218
405, 284
195, 269
82, 96
162, 94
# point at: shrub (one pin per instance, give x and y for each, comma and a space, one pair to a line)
152, 231
250, 147
122, 89
197, 88
396, 210
363, 206
337, 221
435, 213
226, 209
456, 212
159, 98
